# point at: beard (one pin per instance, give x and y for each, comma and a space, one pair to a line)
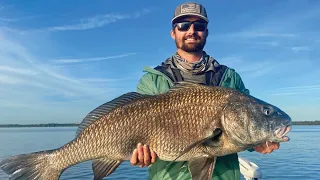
193, 47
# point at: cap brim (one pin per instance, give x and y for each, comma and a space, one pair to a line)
190, 14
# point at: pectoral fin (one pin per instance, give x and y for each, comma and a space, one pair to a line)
103, 167
204, 141
201, 168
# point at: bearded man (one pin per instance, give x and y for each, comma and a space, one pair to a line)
189, 63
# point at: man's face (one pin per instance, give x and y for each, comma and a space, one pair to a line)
193, 39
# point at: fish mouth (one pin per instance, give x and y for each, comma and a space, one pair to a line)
281, 132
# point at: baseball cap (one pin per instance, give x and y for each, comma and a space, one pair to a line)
190, 9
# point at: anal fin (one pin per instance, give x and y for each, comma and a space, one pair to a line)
201, 168
103, 167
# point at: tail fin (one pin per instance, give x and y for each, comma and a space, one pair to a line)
30, 166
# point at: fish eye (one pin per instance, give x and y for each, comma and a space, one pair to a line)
267, 110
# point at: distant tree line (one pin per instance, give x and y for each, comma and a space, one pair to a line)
40, 125
317, 122
306, 123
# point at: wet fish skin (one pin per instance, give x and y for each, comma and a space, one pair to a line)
180, 123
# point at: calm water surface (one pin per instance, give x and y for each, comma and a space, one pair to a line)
297, 159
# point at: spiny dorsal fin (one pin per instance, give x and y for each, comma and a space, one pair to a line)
104, 167
184, 85
107, 107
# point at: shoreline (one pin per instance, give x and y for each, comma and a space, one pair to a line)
306, 123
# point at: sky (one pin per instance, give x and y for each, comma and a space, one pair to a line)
59, 61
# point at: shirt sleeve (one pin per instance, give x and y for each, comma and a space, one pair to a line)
240, 85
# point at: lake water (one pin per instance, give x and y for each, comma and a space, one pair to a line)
297, 159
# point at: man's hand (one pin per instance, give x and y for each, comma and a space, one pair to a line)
267, 148
143, 156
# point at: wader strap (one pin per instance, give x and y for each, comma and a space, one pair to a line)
165, 69
177, 75
213, 78
173, 74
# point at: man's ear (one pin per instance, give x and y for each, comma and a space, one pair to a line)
207, 32
172, 33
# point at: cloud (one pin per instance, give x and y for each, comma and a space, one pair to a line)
269, 43
254, 70
257, 34
17, 70
82, 60
44, 93
250, 69
9, 20
22, 71
98, 21
5, 19
30, 84
4, 79
104, 80
300, 48
289, 23
296, 90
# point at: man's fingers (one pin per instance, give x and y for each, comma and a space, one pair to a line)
147, 156
140, 154
274, 146
153, 156
134, 157
267, 148
267, 151
143, 156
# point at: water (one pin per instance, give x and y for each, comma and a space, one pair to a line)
297, 159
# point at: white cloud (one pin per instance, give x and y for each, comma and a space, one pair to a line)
21, 71
105, 80
4, 79
98, 21
257, 34
81, 60
270, 43
30, 85
247, 68
289, 21
231, 60
300, 48
293, 90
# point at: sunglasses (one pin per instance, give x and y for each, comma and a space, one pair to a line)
185, 25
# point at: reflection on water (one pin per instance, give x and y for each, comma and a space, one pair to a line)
297, 159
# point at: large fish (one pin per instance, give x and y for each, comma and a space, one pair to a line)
190, 122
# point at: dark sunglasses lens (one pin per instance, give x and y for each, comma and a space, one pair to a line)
198, 26
184, 26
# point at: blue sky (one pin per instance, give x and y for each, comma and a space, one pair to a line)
58, 61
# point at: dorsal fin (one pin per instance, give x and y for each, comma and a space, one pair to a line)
107, 107
185, 85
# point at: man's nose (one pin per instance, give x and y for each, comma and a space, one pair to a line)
191, 29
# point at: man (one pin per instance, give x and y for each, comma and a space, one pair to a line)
189, 63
